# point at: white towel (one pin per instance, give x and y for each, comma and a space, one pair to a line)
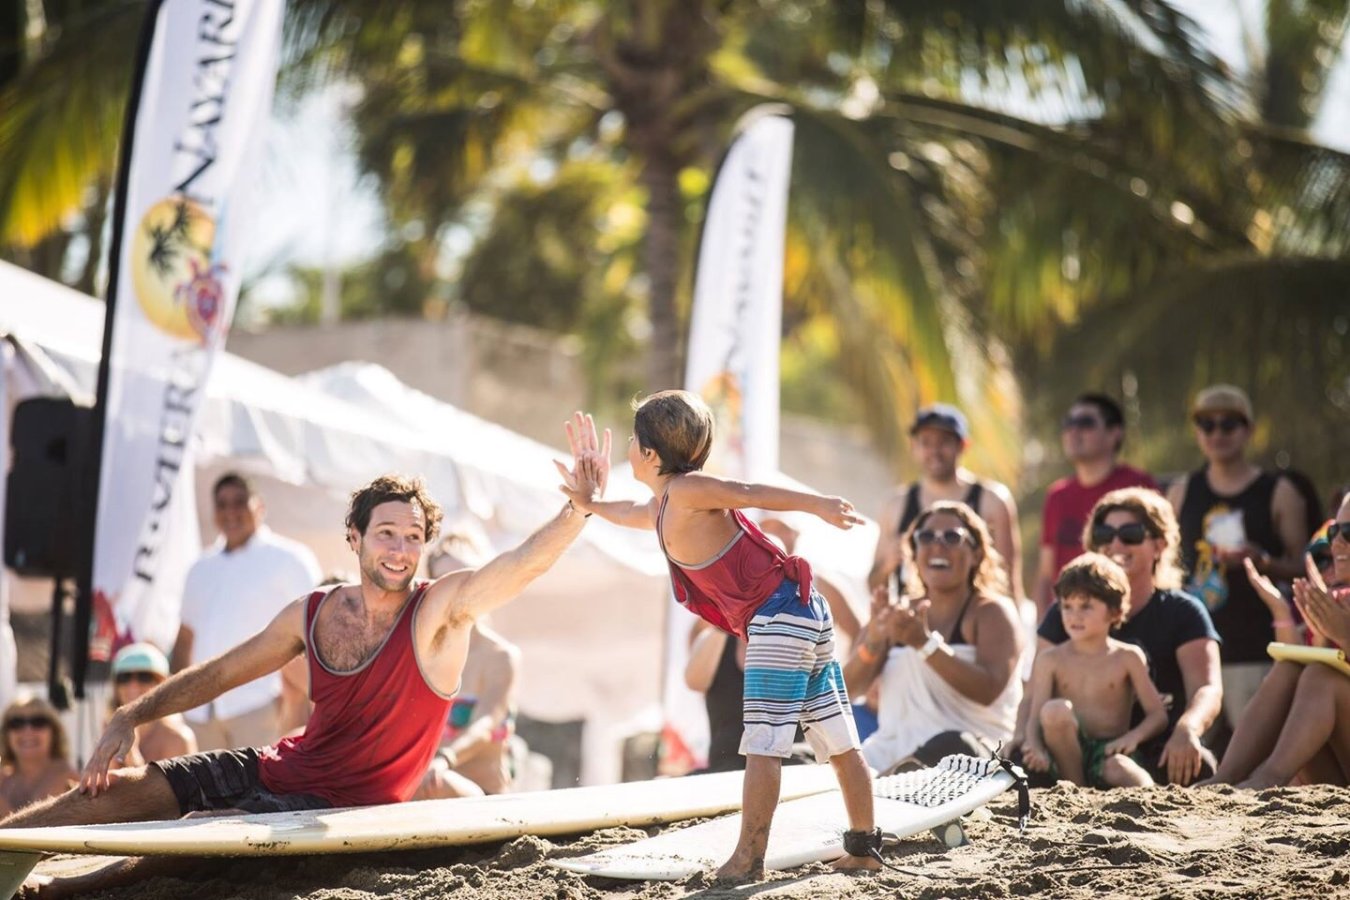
916, 704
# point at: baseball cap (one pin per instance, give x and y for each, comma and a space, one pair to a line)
944, 416
140, 657
1223, 398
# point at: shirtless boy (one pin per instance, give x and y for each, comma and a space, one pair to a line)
1085, 689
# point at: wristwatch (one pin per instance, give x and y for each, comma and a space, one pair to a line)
932, 645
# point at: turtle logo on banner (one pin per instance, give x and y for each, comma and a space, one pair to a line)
178, 287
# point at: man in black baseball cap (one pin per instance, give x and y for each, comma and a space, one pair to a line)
938, 437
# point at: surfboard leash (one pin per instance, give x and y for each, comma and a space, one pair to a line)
1020, 782
868, 844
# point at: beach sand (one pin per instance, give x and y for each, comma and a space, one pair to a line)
1142, 842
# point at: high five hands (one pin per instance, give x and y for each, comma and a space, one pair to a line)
585, 482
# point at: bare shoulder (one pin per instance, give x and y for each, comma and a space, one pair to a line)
996, 609
1126, 651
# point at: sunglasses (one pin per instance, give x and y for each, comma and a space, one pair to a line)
951, 537
1338, 528
1080, 423
141, 677
1131, 535
1222, 424
17, 722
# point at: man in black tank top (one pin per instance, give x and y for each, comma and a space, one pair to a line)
1229, 510
939, 435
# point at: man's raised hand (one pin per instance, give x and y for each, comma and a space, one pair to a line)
585, 482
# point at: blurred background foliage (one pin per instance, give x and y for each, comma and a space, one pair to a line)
994, 204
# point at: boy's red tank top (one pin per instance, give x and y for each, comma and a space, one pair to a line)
373, 730
727, 589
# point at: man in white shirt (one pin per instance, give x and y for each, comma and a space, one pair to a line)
232, 592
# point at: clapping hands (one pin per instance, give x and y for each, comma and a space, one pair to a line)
1327, 614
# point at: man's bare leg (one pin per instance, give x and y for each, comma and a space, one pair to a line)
137, 794
855, 783
763, 778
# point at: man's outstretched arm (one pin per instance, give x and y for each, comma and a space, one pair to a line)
268, 650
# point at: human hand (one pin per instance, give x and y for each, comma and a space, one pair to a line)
1182, 755
585, 482
909, 625
112, 748
1035, 757
1236, 557
1124, 745
1326, 614
1265, 588
838, 512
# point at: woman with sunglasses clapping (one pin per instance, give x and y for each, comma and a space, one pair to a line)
1295, 728
136, 669
945, 656
1138, 530
36, 756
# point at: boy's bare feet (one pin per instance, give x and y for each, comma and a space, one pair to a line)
740, 870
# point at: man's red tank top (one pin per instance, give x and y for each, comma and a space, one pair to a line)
373, 730
727, 589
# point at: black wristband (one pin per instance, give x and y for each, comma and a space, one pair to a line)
572, 506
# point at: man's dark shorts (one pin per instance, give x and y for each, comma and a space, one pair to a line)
228, 779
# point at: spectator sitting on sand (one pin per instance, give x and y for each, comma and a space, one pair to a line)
1137, 529
1297, 724
136, 669
36, 756
1084, 690
947, 655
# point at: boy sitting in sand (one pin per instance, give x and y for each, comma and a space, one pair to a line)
1083, 691
747, 586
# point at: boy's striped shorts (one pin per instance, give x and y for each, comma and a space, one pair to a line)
792, 677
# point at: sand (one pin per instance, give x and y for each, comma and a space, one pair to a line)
1144, 842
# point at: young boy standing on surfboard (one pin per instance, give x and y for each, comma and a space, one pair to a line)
1083, 691
745, 585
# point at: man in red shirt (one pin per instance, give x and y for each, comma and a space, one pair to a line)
385, 656
1091, 433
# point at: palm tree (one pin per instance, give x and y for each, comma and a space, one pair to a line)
930, 212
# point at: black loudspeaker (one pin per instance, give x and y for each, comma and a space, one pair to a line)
47, 503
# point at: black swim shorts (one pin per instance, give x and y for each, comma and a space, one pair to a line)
228, 779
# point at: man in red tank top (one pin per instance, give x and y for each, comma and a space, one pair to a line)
385, 656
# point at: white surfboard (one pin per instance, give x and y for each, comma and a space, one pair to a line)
402, 826
809, 829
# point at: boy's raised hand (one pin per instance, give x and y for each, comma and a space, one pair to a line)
585, 482
838, 512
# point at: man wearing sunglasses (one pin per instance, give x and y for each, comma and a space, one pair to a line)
1091, 434
938, 437
231, 593
1231, 510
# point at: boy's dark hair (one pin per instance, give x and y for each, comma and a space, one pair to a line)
233, 479
1096, 576
393, 488
678, 425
